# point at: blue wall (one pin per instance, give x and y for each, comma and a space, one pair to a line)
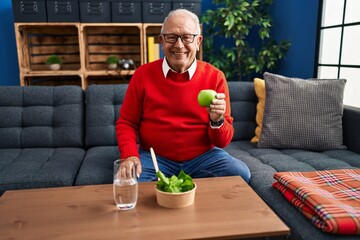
294, 20
9, 68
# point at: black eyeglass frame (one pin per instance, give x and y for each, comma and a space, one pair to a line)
179, 36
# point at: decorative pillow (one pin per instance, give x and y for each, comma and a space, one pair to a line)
302, 114
259, 85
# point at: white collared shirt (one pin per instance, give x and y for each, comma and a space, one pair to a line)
166, 68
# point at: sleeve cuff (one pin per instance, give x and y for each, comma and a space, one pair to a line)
216, 125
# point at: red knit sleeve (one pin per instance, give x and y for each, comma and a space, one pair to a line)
128, 123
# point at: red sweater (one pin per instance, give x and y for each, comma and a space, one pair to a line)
165, 114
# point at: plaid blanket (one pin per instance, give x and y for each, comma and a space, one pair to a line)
330, 199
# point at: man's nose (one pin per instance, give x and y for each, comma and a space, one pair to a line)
179, 43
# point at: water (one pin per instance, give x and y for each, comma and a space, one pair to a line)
125, 193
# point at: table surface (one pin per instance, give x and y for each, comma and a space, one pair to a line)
224, 208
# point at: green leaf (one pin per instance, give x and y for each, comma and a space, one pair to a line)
266, 24
182, 175
187, 185
174, 184
255, 3
162, 177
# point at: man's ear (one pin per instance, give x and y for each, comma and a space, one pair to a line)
199, 40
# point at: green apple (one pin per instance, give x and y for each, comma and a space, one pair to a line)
205, 97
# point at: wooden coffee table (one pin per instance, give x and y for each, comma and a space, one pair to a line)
224, 208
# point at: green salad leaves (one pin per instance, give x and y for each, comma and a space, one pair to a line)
175, 184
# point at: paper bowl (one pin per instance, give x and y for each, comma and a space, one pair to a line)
175, 200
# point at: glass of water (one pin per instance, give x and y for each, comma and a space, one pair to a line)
125, 185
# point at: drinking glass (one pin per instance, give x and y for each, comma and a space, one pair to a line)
125, 188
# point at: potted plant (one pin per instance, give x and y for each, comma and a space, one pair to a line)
112, 62
241, 58
54, 62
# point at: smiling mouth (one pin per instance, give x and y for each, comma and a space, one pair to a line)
179, 54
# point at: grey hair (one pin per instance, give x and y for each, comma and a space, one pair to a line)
190, 14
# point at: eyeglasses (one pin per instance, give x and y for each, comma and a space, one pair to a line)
185, 38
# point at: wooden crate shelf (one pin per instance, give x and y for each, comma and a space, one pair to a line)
84, 48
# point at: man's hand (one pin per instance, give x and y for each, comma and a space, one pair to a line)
217, 107
128, 164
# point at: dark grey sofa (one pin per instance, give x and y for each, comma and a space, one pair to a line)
62, 136
41, 136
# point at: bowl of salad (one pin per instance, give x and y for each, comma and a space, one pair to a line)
176, 191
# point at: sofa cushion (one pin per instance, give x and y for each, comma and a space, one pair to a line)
39, 167
302, 114
97, 167
103, 103
39, 116
259, 85
243, 109
351, 128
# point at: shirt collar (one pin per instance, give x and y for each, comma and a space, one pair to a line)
166, 68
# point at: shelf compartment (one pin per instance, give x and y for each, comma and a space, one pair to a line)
113, 79
103, 40
36, 42
150, 30
53, 80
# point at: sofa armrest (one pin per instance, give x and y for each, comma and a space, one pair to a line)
351, 128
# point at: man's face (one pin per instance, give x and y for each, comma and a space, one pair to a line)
180, 55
